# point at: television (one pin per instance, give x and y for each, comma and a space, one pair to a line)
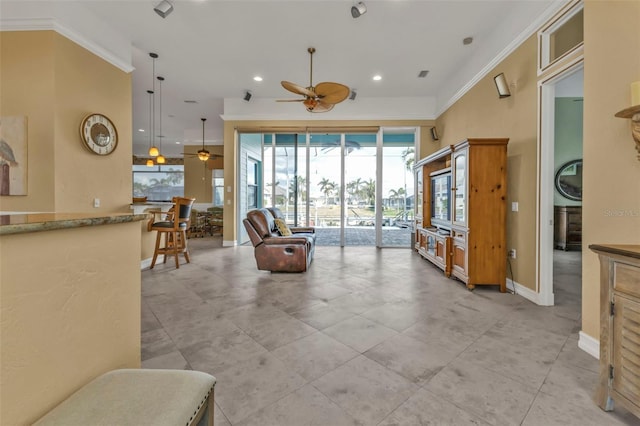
441, 199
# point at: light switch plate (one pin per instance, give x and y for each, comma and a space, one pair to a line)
514, 206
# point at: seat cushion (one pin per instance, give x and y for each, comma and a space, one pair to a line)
135, 397
182, 225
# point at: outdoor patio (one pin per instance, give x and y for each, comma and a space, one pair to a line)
392, 236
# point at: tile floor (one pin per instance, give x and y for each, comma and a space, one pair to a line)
369, 337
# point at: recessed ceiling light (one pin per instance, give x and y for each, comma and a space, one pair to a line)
141, 130
257, 78
177, 142
377, 77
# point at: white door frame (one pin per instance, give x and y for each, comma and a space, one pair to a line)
546, 173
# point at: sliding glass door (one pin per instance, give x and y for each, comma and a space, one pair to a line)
354, 188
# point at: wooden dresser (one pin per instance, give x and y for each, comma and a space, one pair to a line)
567, 227
619, 378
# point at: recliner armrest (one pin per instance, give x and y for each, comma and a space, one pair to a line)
306, 230
274, 241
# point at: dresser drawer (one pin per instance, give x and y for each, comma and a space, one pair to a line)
626, 279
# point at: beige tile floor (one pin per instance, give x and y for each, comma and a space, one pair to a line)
369, 337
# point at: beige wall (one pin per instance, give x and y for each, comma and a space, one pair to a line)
27, 88
56, 83
231, 153
611, 205
70, 300
197, 176
70, 303
480, 113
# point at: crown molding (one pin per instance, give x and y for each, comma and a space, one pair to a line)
52, 24
509, 49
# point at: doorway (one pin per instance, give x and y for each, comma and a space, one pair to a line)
560, 256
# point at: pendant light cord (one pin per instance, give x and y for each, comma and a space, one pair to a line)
160, 136
153, 84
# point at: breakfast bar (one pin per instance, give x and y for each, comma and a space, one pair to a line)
70, 305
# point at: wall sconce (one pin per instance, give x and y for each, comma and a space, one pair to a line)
164, 8
502, 86
434, 134
633, 113
247, 96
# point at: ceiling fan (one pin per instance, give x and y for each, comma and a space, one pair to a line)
319, 98
203, 154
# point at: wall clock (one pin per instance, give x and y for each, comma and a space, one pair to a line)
99, 134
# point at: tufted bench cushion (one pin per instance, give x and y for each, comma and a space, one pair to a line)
138, 397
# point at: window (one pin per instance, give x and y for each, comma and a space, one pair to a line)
561, 37
252, 183
158, 183
218, 187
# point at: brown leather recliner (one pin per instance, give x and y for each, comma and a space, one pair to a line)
274, 252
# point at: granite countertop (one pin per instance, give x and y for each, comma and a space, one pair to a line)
36, 222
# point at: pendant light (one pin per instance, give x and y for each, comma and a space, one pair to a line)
203, 154
153, 151
150, 160
160, 159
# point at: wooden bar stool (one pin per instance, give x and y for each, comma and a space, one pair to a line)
174, 226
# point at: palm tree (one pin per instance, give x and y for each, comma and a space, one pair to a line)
408, 156
369, 191
354, 187
302, 189
327, 187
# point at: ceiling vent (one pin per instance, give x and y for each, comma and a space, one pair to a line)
423, 74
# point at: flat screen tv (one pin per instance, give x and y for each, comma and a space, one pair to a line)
441, 199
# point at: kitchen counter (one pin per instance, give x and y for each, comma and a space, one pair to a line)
37, 222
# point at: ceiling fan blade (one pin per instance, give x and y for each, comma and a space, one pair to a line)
321, 106
332, 93
299, 90
289, 100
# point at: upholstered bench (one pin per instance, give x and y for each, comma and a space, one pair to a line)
139, 397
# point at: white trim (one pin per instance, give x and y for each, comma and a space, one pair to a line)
146, 263
52, 24
544, 35
589, 344
511, 47
229, 243
525, 292
545, 177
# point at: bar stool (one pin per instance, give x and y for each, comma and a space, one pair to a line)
174, 226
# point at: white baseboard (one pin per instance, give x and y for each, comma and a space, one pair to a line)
229, 243
146, 263
589, 344
523, 291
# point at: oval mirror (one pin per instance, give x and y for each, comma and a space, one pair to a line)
569, 180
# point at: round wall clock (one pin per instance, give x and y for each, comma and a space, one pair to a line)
99, 134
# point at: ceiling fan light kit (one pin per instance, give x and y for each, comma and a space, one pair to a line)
358, 10
203, 154
319, 98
